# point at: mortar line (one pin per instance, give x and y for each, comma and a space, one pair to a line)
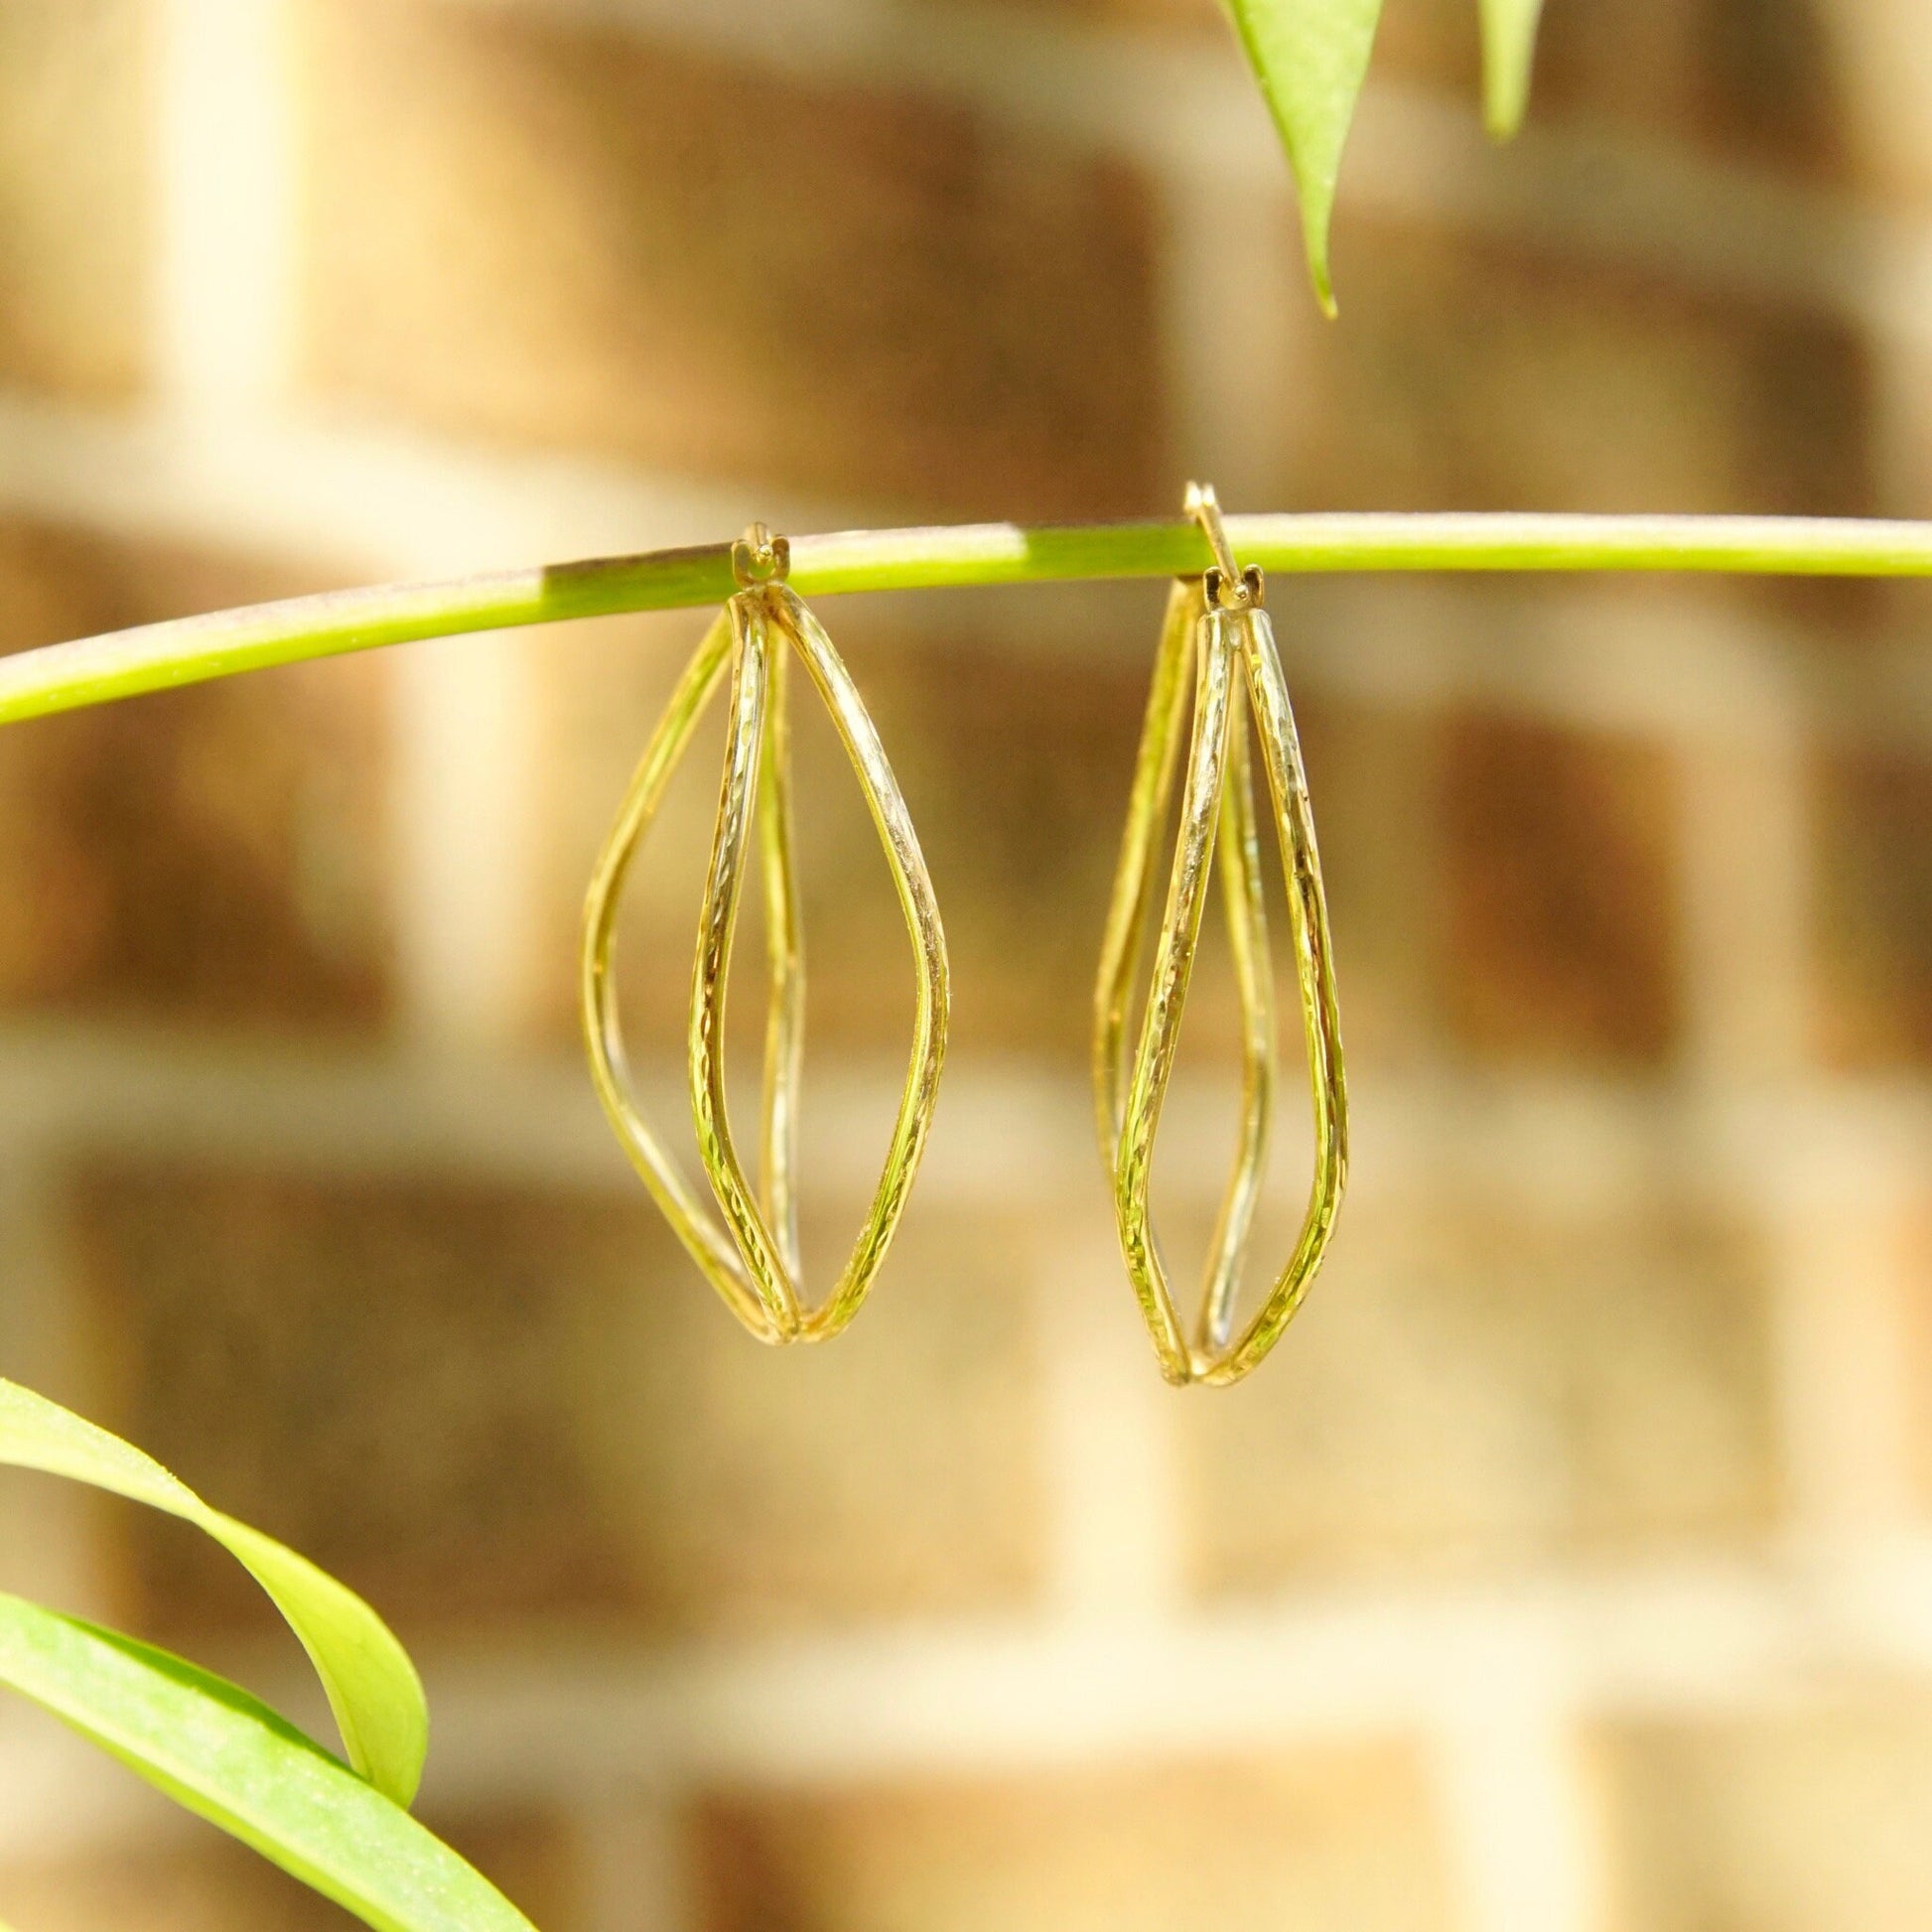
224, 182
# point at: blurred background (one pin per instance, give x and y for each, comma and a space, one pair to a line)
1568, 1565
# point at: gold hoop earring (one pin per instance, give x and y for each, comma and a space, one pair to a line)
1218, 631
752, 1257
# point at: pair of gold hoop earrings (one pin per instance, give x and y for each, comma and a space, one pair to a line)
1217, 659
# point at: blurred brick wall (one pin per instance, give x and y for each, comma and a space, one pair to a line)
1569, 1566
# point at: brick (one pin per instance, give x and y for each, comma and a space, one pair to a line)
1195, 17
1747, 81
213, 853
1794, 1820
214, 1887
553, 232
1752, 81
479, 1407
1915, 1277
1374, 773
1478, 1384
1329, 1837
74, 143
1478, 375
1559, 900
1019, 764
1432, 42
208, 1883
1874, 90
1872, 916
1755, 81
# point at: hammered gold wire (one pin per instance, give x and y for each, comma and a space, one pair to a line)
1233, 655
753, 1259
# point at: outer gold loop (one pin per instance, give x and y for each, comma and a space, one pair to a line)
753, 1259
1232, 649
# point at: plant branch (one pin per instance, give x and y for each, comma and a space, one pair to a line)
123, 664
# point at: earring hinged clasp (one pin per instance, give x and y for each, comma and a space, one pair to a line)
1228, 587
760, 557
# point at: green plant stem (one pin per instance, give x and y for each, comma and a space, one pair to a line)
96, 670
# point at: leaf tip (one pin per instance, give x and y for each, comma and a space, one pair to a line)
1310, 61
1508, 55
1502, 120
1314, 226
1505, 102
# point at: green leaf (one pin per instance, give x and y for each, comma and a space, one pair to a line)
216, 1751
1508, 51
372, 1686
1310, 57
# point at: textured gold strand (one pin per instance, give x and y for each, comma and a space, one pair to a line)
784, 944
1314, 973
1133, 883
931, 981
738, 795
1174, 961
709, 1245
1147, 810
1254, 979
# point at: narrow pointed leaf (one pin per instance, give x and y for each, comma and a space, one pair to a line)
1311, 56
372, 1686
1508, 51
219, 1752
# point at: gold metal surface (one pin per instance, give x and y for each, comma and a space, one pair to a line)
750, 1255
1217, 631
